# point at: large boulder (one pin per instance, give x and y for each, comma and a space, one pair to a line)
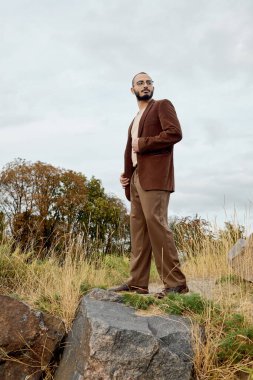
109, 341
240, 257
28, 339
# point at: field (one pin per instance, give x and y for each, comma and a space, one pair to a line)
219, 300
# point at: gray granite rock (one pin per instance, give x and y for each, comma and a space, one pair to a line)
109, 341
102, 295
240, 257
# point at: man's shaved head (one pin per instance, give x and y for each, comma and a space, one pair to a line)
142, 72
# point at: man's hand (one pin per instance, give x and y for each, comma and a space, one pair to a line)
135, 145
124, 181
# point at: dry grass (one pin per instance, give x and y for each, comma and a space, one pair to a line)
218, 281
52, 287
206, 363
57, 288
209, 273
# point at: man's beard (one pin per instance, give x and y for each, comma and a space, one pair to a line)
145, 96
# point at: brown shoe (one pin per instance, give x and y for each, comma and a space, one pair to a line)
181, 289
128, 288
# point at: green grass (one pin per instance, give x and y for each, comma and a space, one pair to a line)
172, 304
237, 340
183, 304
118, 268
138, 301
49, 304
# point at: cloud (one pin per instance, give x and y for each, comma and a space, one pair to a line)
64, 92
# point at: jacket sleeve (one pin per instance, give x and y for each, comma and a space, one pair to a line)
128, 166
171, 130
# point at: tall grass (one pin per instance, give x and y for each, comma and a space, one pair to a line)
56, 287
52, 286
209, 272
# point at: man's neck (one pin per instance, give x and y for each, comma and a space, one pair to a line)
142, 104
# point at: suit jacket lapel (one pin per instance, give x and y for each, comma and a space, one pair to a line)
145, 113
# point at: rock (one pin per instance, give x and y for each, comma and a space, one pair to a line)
240, 257
109, 341
28, 339
237, 249
101, 295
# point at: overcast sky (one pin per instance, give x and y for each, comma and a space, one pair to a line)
66, 70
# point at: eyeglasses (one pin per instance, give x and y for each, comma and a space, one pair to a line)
142, 82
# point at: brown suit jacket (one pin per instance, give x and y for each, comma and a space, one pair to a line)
159, 130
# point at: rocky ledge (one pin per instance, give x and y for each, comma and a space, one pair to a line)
109, 341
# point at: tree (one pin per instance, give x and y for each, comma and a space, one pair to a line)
15, 188
105, 220
194, 235
190, 233
46, 207
41, 202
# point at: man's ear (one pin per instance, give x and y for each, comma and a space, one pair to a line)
132, 90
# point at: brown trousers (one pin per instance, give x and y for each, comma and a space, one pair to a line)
150, 233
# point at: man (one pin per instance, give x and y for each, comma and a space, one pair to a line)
148, 180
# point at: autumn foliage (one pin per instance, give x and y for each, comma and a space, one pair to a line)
43, 207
